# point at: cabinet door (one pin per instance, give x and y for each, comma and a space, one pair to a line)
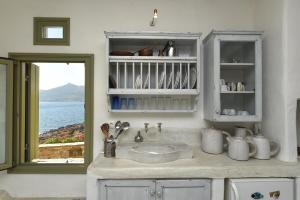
183, 190
6, 110
127, 190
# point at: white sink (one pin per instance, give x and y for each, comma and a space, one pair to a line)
152, 152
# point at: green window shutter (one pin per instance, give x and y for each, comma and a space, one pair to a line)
32, 112
6, 113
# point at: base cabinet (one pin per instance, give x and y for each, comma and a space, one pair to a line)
155, 189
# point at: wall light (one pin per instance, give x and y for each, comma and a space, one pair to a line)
154, 19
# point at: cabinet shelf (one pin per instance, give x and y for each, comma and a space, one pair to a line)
237, 118
236, 65
151, 111
176, 59
153, 92
238, 92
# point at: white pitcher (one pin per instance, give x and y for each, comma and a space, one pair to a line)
265, 148
212, 140
239, 148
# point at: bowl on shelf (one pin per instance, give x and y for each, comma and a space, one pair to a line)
145, 52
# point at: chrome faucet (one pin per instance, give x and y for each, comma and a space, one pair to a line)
146, 127
159, 127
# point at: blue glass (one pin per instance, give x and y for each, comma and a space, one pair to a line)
115, 103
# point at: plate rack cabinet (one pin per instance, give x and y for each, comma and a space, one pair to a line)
233, 76
153, 83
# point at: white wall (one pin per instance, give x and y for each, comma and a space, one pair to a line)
89, 18
269, 16
292, 63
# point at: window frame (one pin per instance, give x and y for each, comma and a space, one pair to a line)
9, 113
39, 23
19, 114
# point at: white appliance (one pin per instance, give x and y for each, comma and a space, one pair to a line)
260, 188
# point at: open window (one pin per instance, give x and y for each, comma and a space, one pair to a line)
53, 99
6, 113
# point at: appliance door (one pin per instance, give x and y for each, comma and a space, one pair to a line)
260, 188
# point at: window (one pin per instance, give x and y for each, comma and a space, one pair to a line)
6, 109
51, 31
53, 98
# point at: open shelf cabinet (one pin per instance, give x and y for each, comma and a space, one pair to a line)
233, 76
153, 83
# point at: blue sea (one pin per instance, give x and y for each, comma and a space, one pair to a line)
58, 114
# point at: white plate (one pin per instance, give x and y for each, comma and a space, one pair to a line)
193, 77
138, 82
184, 84
170, 81
161, 82
146, 83
177, 80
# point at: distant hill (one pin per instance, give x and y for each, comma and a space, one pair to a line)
68, 92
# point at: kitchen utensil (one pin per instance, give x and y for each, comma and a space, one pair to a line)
112, 82
231, 112
115, 103
239, 148
193, 78
212, 140
146, 82
131, 104
242, 113
138, 82
185, 81
222, 82
121, 53
161, 81
145, 52
124, 127
224, 88
124, 104
265, 148
169, 49
242, 132
170, 80
109, 148
177, 80
240, 86
105, 130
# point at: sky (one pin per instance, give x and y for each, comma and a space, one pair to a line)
57, 74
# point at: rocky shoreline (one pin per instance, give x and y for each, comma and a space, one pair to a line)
66, 134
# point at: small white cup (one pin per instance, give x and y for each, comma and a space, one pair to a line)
243, 113
224, 88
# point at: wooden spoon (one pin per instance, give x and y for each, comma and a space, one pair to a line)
105, 130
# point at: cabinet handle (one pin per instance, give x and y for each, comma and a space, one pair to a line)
159, 195
152, 193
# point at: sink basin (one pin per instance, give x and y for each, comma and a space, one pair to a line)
151, 152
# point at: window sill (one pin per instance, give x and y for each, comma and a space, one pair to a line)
33, 168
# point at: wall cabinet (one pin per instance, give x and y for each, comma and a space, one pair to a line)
155, 189
233, 76
155, 82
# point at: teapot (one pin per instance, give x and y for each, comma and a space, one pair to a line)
239, 148
242, 132
212, 140
265, 148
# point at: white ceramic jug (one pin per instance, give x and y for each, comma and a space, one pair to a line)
242, 132
265, 148
239, 148
212, 140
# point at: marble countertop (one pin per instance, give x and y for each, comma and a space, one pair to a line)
201, 166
